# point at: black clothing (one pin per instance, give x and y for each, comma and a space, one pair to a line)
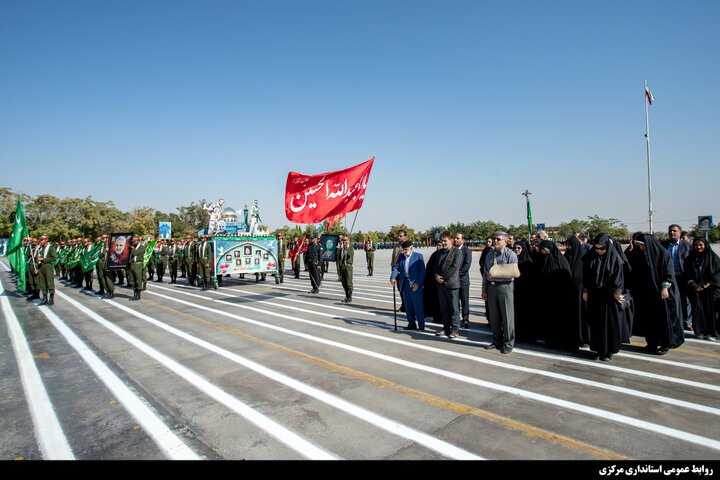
430, 290
314, 254
703, 268
574, 253
602, 277
525, 297
658, 320
555, 290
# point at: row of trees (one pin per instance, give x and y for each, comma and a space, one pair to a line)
62, 219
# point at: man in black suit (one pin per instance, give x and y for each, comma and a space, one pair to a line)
464, 279
447, 275
679, 250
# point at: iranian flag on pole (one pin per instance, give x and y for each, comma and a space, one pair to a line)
649, 95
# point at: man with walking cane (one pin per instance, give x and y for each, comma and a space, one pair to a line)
409, 275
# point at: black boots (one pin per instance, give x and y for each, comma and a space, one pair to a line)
44, 300
137, 295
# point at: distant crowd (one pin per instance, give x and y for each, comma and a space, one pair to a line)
594, 294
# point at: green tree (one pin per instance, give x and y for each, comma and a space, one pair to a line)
611, 226
391, 236
566, 229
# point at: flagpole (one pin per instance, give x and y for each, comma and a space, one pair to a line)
527, 203
353, 224
647, 143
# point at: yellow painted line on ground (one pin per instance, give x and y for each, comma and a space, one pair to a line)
410, 392
693, 352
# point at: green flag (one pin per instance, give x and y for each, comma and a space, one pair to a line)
15, 251
529, 219
148, 252
75, 256
89, 259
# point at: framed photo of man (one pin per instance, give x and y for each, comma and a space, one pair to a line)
705, 223
329, 247
119, 251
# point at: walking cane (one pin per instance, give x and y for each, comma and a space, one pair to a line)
394, 309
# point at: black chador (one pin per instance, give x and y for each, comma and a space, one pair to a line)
656, 318
603, 281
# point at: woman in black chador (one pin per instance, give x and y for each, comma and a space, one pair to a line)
554, 287
575, 249
603, 284
702, 272
524, 295
656, 296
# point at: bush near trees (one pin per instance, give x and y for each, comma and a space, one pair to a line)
62, 219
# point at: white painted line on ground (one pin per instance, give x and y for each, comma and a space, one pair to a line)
172, 447
334, 401
50, 436
281, 433
604, 414
534, 371
550, 356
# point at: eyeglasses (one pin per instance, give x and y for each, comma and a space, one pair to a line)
498, 239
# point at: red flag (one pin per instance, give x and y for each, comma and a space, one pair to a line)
332, 221
313, 198
298, 249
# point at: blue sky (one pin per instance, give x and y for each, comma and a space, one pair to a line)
464, 104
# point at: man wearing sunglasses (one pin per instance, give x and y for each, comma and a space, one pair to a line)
498, 295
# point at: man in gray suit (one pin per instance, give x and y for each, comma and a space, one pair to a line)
447, 275
498, 295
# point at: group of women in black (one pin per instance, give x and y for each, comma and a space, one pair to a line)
596, 295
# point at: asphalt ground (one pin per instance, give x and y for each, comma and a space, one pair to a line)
259, 371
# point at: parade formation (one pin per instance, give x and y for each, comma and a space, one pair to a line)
526, 295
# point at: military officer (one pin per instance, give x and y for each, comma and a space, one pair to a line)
337, 258
190, 259
46, 254
314, 255
345, 264
173, 254
162, 259
101, 283
31, 271
369, 247
152, 261
105, 276
281, 254
135, 272
204, 261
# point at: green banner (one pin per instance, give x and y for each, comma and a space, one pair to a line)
148, 252
15, 251
89, 259
74, 258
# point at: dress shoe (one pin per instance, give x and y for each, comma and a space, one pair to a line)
410, 327
661, 351
492, 346
506, 349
